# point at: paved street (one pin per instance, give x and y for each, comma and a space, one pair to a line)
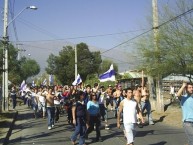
28, 130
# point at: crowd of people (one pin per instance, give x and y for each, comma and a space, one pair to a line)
86, 107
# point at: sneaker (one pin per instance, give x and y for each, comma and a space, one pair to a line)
111, 109
107, 127
52, 126
49, 127
151, 123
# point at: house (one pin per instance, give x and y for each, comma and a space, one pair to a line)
133, 77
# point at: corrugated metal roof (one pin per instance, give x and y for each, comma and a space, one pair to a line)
176, 78
133, 74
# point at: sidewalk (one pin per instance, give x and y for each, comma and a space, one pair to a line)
6, 125
28, 130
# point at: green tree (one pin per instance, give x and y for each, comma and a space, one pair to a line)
29, 67
18, 69
174, 54
63, 66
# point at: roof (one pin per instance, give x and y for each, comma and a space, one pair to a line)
133, 74
176, 77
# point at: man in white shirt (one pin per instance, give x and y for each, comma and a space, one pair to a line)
130, 110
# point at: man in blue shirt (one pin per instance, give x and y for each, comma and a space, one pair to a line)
187, 109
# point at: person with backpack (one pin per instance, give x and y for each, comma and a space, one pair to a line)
80, 119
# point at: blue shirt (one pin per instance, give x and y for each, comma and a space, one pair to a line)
187, 108
93, 108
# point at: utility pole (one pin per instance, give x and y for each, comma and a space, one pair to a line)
159, 96
19, 50
5, 59
75, 49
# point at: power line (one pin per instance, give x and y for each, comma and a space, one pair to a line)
127, 41
179, 16
89, 36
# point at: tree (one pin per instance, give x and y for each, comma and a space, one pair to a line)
18, 69
29, 67
63, 66
175, 51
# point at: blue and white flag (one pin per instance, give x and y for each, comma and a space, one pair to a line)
51, 79
77, 81
108, 75
33, 84
22, 85
24, 88
44, 83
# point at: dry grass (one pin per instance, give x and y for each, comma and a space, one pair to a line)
173, 113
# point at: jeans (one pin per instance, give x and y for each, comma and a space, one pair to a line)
188, 127
51, 115
102, 111
57, 112
14, 102
80, 129
146, 105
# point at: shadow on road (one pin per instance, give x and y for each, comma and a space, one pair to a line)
160, 143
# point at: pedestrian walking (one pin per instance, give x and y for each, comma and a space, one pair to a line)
34, 98
130, 110
50, 108
102, 105
13, 97
42, 102
94, 115
186, 102
80, 119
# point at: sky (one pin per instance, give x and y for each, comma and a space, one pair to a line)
99, 23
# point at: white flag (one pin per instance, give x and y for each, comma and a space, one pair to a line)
108, 75
77, 81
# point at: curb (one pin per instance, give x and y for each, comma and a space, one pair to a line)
6, 139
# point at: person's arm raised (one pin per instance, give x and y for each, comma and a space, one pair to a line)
180, 91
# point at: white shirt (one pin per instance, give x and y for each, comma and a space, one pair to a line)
129, 111
102, 98
41, 98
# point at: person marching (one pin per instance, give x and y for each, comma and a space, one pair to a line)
94, 115
50, 108
80, 119
130, 110
13, 97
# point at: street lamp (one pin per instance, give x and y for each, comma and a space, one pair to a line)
5, 52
